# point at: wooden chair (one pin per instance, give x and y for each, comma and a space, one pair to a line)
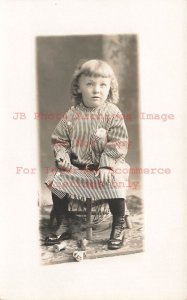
91, 213
104, 214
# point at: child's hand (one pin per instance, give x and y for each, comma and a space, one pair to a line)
106, 175
62, 164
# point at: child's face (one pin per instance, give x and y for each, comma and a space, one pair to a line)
94, 90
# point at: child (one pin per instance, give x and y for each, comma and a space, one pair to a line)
90, 145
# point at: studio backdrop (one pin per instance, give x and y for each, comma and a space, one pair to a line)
56, 60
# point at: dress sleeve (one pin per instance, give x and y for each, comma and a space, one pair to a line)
117, 142
60, 139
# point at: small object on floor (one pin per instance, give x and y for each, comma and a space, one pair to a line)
82, 243
56, 239
59, 247
79, 255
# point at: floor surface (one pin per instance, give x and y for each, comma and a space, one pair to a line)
97, 247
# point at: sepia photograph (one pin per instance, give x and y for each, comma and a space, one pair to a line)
90, 161
93, 150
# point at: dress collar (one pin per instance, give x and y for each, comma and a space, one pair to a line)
90, 109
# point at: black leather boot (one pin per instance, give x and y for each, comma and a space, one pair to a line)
117, 233
62, 233
61, 214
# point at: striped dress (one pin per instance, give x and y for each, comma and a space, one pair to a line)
90, 136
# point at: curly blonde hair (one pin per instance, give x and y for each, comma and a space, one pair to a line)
95, 68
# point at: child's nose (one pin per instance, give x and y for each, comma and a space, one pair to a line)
96, 88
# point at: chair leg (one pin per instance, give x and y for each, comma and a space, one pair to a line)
128, 222
88, 219
127, 217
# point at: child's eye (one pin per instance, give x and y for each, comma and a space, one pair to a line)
103, 84
89, 84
